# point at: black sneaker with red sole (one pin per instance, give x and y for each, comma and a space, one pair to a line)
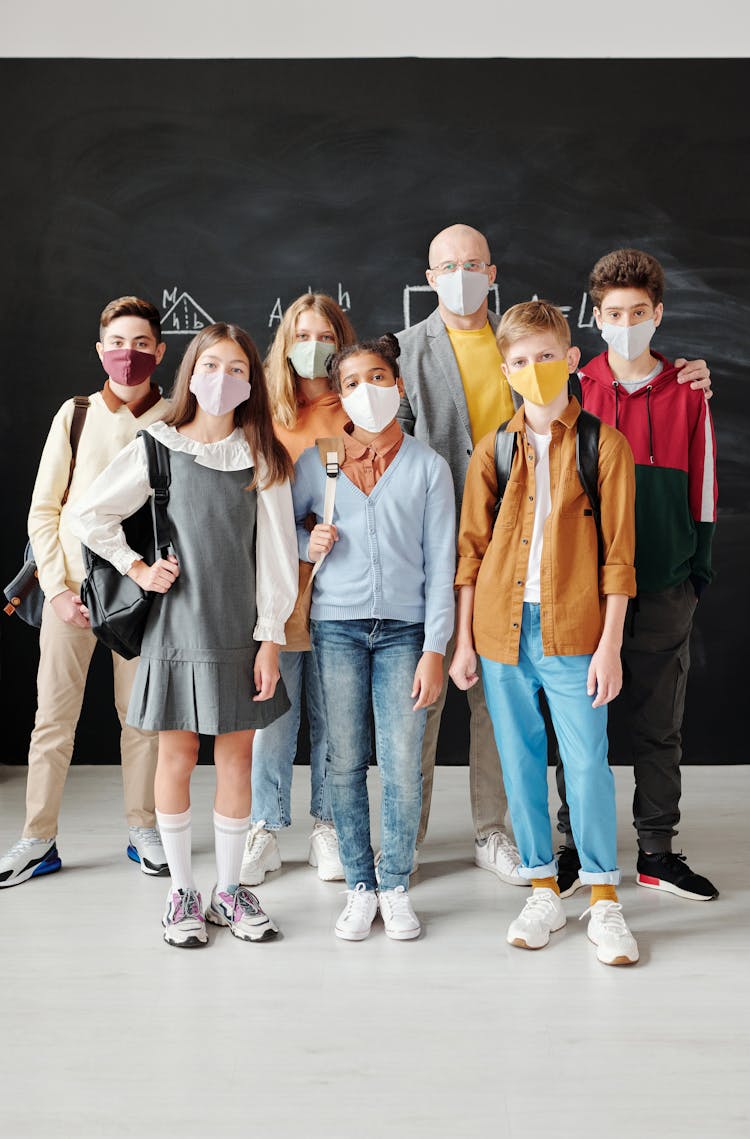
670, 872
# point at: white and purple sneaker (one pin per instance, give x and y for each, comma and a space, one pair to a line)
239, 908
183, 921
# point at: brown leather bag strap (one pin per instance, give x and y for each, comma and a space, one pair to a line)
76, 427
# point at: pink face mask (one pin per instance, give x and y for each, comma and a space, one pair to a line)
128, 366
217, 393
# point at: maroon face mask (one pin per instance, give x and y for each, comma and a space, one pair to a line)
128, 366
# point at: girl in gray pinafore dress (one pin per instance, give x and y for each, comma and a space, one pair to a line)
209, 657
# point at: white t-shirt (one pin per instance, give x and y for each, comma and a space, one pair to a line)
542, 508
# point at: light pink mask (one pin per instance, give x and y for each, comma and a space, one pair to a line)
218, 393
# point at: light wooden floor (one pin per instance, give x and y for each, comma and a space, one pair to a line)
106, 1032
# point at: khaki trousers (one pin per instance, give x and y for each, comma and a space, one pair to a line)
65, 653
488, 801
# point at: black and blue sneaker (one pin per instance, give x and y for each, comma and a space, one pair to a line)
145, 848
29, 858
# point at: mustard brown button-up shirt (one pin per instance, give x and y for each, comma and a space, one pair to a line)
572, 584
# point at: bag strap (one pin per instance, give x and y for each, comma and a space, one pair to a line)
159, 476
505, 449
587, 465
331, 451
81, 403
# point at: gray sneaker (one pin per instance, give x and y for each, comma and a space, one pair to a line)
29, 858
145, 847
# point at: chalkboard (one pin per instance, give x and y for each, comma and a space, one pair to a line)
222, 189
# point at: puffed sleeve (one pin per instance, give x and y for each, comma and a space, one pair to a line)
277, 565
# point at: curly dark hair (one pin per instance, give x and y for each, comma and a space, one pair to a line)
627, 269
385, 346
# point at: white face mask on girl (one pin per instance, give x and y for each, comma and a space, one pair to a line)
629, 342
217, 393
462, 292
371, 406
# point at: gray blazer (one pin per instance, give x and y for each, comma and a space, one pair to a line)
434, 406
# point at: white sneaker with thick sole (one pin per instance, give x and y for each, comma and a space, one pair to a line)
324, 852
29, 858
262, 855
356, 918
243, 913
542, 915
183, 921
399, 919
498, 854
615, 944
144, 847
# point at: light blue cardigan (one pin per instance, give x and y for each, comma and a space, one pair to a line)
395, 557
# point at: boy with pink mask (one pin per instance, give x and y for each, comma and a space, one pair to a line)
130, 348
542, 593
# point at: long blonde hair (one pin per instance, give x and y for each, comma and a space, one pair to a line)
253, 416
281, 376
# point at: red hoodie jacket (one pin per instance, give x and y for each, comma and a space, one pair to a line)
670, 432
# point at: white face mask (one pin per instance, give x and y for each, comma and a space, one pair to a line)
372, 407
629, 342
462, 292
308, 358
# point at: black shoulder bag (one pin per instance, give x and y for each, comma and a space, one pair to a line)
118, 607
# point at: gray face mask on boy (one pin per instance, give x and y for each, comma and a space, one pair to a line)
629, 342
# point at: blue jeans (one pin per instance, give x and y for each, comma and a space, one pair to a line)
367, 668
512, 693
275, 747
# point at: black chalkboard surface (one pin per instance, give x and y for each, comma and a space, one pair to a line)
222, 189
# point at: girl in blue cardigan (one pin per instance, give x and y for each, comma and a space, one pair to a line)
381, 616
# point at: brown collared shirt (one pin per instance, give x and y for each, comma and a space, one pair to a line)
365, 463
138, 407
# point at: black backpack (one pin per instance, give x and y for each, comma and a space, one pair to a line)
587, 461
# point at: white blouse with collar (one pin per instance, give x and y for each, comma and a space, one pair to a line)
124, 487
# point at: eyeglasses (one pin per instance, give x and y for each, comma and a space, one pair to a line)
451, 266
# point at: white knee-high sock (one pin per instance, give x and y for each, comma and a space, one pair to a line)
176, 837
230, 835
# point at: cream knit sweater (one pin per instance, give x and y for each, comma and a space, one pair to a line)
105, 433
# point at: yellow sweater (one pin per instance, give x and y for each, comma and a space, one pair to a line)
105, 433
488, 396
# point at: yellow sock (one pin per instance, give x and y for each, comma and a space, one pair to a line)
603, 893
545, 884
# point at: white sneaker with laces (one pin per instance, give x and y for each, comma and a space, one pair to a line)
615, 944
29, 858
542, 915
498, 854
399, 919
262, 855
356, 918
144, 846
324, 852
243, 913
183, 921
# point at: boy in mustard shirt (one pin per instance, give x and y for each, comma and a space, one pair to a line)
542, 612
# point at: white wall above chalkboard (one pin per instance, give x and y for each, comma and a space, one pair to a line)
299, 29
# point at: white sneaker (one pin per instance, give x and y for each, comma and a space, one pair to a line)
261, 855
243, 913
542, 915
29, 858
399, 919
498, 854
183, 921
615, 944
357, 916
414, 865
144, 847
324, 852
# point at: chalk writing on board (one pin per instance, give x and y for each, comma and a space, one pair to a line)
185, 316
409, 289
278, 309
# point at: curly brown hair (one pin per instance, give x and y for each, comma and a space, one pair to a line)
626, 269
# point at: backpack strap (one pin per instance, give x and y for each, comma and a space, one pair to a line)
332, 452
159, 476
81, 403
505, 449
574, 387
587, 465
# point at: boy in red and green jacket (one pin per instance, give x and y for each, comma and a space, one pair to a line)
669, 428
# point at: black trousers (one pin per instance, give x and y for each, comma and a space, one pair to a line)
649, 711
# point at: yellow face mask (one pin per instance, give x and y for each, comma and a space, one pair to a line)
540, 383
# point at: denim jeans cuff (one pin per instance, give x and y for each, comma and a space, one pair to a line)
599, 877
549, 870
392, 881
